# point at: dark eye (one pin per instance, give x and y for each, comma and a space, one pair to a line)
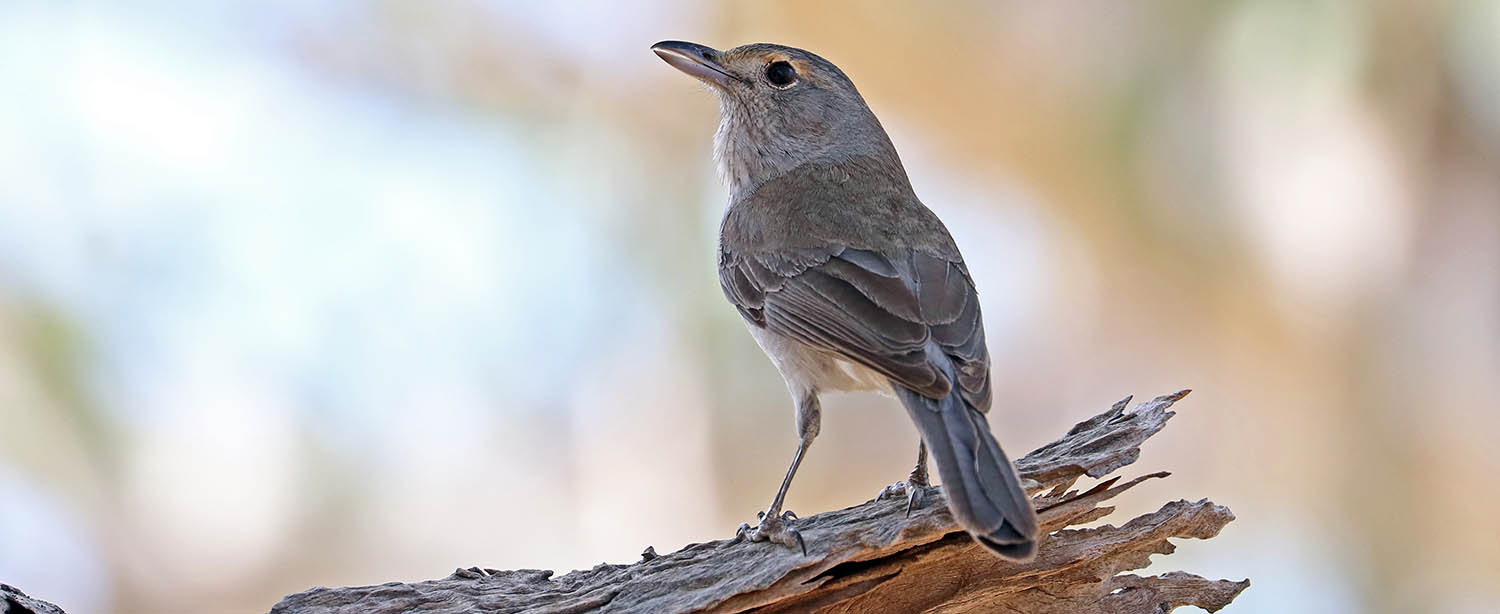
781, 74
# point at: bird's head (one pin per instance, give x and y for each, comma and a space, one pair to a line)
780, 107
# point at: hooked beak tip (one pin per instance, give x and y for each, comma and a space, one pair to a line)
695, 60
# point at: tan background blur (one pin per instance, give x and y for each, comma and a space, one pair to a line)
345, 292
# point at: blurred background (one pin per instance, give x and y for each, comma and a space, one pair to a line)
345, 292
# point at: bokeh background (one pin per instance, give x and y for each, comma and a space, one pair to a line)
343, 292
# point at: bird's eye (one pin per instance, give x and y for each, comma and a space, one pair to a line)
781, 74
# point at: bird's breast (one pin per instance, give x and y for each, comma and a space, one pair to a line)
808, 369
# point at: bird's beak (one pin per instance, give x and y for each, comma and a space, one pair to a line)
695, 60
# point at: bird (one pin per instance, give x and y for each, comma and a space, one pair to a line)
848, 282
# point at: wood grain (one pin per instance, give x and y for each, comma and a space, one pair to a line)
872, 558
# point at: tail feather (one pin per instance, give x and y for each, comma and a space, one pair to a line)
984, 492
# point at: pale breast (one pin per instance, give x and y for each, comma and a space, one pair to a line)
806, 369
857, 377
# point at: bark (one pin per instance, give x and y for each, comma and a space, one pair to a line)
13, 601
873, 558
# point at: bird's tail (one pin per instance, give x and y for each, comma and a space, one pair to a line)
984, 492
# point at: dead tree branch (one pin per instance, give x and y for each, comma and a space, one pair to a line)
13, 601
872, 558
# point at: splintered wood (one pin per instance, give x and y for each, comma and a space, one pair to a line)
872, 558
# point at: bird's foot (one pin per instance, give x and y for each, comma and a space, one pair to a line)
773, 528
914, 489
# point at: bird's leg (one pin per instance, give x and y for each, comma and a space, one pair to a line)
774, 523
916, 482
915, 485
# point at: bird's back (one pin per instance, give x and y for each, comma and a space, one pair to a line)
862, 202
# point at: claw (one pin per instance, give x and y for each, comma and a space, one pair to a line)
772, 529
891, 492
914, 488
743, 532
785, 536
914, 498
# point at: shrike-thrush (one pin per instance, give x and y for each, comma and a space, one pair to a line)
848, 282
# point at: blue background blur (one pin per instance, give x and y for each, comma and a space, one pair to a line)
320, 293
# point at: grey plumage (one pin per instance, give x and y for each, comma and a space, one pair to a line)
847, 280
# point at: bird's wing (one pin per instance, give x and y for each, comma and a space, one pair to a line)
877, 309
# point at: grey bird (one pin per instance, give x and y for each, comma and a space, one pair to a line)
848, 282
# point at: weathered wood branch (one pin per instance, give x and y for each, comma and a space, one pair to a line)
873, 558
13, 601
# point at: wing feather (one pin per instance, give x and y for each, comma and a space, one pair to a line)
877, 309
